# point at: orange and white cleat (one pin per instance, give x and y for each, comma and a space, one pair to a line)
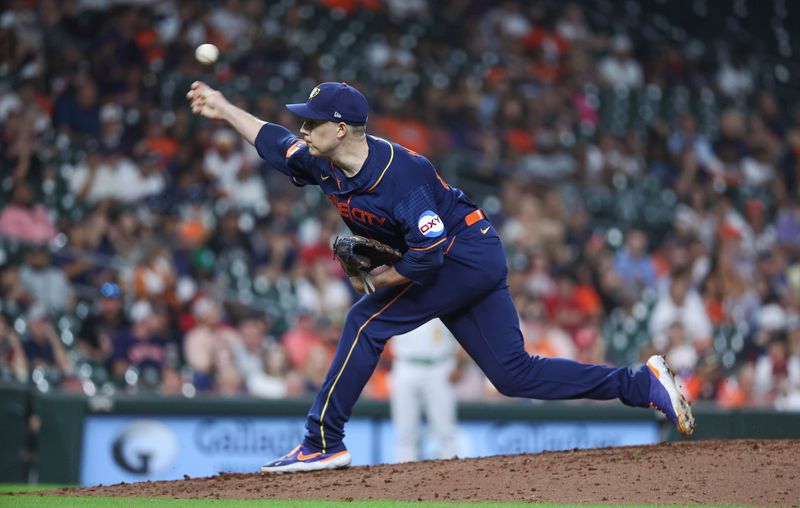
667, 398
303, 459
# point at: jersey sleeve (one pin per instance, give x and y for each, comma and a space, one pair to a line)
424, 233
285, 152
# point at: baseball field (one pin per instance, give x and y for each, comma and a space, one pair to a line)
692, 473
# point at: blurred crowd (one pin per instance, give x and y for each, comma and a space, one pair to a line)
643, 172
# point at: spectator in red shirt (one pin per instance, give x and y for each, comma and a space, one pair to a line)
563, 305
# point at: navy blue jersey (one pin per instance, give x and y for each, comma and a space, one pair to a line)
397, 198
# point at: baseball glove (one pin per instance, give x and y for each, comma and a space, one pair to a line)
359, 255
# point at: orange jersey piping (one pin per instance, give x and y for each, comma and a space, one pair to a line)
429, 246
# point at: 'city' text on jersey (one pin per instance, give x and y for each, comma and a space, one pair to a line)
357, 214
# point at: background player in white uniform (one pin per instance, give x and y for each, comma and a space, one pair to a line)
424, 360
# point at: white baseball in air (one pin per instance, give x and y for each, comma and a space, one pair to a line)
206, 53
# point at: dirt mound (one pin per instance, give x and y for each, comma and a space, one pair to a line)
719, 472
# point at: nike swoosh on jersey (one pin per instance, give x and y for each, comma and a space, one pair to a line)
324, 177
484, 230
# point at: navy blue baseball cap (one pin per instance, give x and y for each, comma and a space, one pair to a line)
335, 102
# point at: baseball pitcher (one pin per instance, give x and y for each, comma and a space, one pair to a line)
451, 265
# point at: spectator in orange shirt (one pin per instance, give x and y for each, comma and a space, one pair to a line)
734, 391
542, 335
411, 133
157, 141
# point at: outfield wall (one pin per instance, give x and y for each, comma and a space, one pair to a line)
14, 415
108, 440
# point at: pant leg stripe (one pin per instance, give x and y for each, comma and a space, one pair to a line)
352, 347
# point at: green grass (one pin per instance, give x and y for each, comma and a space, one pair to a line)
25, 487
37, 501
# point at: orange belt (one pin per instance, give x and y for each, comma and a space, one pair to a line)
474, 217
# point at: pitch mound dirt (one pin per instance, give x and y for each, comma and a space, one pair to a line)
719, 472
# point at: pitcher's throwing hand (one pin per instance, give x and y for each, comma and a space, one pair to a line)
206, 101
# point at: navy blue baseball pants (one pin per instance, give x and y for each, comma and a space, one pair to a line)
470, 295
